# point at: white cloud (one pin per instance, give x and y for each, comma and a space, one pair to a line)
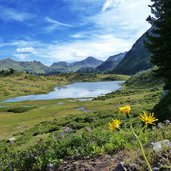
52, 21
101, 47
54, 24
127, 17
80, 35
24, 53
20, 43
107, 5
22, 56
9, 14
111, 3
25, 50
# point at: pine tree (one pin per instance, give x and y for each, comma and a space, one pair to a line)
160, 40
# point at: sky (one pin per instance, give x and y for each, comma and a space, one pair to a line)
69, 30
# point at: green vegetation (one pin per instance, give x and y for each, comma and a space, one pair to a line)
159, 45
23, 84
14, 84
51, 131
160, 41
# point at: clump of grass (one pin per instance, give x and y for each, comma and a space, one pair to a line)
20, 109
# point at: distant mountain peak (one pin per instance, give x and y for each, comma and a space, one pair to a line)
111, 63
90, 57
64, 67
8, 59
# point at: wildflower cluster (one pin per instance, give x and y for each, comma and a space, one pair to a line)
146, 118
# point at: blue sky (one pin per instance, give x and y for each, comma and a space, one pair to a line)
69, 30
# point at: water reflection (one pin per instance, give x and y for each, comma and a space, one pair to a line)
75, 90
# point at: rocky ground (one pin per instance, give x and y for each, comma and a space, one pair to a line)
122, 161
103, 163
115, 163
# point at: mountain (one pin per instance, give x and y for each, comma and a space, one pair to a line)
86, 70
88, 62
60, 67
137, 59
63, 67
8, 63
33, 67
111, 63
37, 67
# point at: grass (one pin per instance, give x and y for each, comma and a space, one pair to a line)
38, 127
20, 116
25, 84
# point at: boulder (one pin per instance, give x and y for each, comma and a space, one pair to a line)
50, 167
120, 167
160, 145
11, 140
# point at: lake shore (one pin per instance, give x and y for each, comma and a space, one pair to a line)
75, 90
21, 84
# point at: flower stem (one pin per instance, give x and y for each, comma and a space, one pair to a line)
141, 146
143, 152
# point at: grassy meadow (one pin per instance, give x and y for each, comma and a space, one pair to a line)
19, 84
39, 126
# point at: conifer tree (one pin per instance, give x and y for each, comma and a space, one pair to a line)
160, 40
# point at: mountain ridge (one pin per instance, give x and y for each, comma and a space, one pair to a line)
137, 58
37, 67
110, 63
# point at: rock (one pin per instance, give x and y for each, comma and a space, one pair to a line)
88, 129
120, 167
159, 125
11, 140
50, 167
155, 169
61, 135
83, 109
67, 129
160, 145
153, 127
167, 122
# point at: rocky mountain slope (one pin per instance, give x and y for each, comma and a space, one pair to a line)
111, 63
137, 59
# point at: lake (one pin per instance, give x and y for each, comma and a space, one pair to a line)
74, 90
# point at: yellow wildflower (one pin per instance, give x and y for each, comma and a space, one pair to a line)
125, 109
148, 118
115, 124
